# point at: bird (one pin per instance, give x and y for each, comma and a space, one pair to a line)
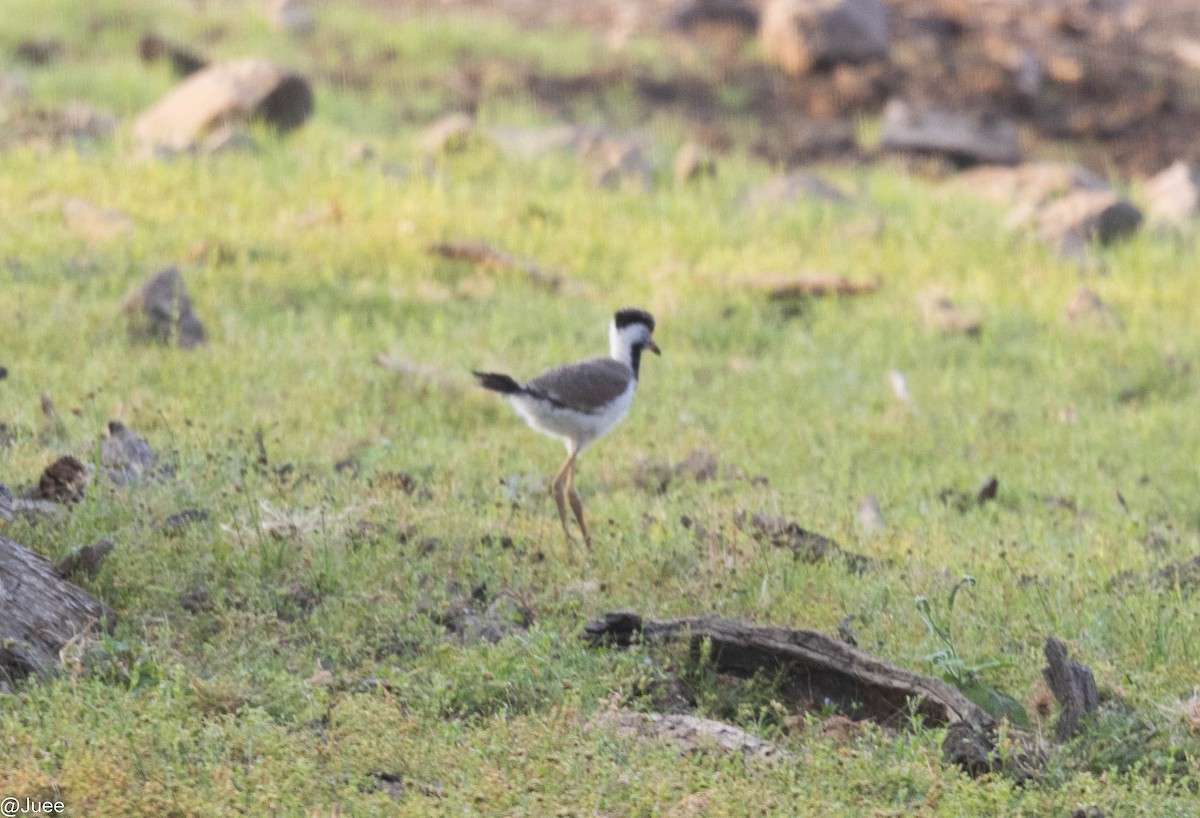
580, 403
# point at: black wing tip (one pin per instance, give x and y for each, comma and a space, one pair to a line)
633, 315
497, 382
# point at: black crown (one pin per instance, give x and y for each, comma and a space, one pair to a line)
630, 315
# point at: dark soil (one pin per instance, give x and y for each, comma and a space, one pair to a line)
1112, 88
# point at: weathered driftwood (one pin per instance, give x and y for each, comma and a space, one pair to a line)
1073, 685
39, 612
814, 667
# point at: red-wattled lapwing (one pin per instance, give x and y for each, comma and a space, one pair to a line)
580, 403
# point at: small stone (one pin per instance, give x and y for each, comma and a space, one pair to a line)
85, 561
1086, 306
870, 515
964, 139
161, 311
941, 313
292, 16
616, 161
1073, 221
802, 35
38, 52
63, 481
14, 87
126, 457
152, 48
359, 152
447, 134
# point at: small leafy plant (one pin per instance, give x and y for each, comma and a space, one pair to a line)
949, 664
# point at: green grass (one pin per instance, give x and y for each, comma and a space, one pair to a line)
213, 708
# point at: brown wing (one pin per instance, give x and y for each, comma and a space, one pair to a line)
584, 387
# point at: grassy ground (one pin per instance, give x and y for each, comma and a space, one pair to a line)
211, 696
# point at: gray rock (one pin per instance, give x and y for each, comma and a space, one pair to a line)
292, 16
14, 87
1077, 219
800, 35
161, 311
1173, 196
127, 458
965, 139
1087, 307
1028, 75
870, 515
615, 162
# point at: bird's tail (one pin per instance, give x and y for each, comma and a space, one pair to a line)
498, 383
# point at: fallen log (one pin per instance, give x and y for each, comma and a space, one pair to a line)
40, 612
815, 668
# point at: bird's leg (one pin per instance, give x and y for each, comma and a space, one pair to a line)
577, 504
557, 488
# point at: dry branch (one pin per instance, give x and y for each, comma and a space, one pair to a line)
483, 255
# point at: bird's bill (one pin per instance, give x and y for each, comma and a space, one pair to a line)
653, 347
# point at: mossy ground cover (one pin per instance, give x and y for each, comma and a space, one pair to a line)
346, 505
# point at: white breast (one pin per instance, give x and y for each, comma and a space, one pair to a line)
574, 427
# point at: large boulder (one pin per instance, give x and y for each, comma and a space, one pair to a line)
965, 139
800, 35
250, 88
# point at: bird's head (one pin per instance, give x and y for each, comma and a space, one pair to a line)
631, 332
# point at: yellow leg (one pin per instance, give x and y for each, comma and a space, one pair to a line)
577, 504
557, 490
